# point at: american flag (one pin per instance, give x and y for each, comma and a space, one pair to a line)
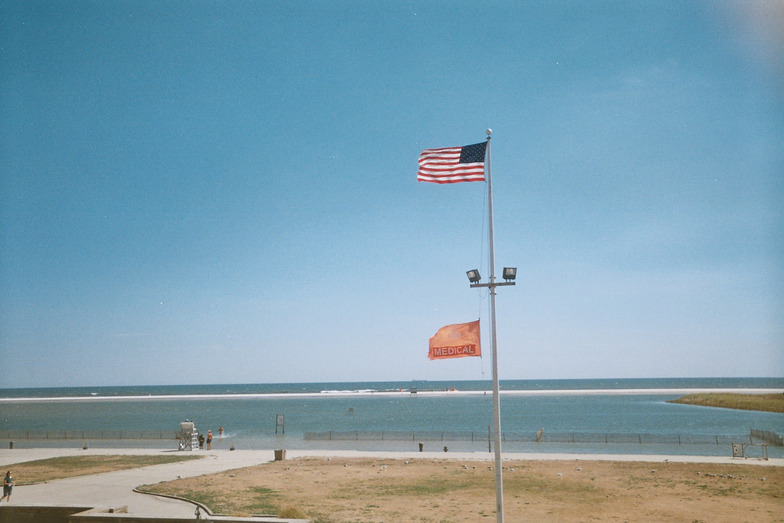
453, 164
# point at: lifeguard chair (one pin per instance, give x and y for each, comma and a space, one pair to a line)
187, 436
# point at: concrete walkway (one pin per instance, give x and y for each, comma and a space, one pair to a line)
115, 489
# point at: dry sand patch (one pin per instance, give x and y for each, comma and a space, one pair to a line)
429, 490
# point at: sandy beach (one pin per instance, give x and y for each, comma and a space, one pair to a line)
307, 475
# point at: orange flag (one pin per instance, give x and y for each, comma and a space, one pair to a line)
456, 341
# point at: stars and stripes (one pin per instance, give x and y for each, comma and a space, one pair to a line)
453, 164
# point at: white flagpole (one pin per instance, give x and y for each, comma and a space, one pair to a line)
499, 480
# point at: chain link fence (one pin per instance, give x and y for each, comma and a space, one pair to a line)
753, 436
545, 437
88, 434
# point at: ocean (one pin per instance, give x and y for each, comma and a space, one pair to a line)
575, 416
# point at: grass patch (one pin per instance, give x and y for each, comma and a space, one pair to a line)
264, 501
43, 470
245, 501
758, 402
424, 488
291, 513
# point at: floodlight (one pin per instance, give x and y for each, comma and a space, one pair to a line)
473, 275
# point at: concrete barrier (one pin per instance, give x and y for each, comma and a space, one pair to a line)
36, 514
66, 514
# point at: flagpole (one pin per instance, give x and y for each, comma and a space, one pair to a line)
499, 480
444, 166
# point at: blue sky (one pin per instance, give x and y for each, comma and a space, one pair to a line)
222, 192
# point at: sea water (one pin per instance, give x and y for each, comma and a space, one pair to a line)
400, 415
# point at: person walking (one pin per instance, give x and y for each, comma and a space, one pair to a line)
209, 439
8, 485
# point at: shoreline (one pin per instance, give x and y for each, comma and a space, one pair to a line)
397, 393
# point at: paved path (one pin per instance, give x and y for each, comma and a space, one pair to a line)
115, 489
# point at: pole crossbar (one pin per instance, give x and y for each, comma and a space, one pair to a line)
498, 284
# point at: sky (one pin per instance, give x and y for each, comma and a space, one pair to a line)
196, 192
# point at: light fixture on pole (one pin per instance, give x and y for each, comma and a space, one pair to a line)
473, 275
509, 274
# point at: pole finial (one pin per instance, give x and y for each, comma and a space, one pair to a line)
489, 132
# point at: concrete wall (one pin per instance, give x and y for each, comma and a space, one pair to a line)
45, 514
37, 514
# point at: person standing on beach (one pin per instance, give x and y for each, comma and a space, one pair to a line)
8, 485
201, 441
209, 439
